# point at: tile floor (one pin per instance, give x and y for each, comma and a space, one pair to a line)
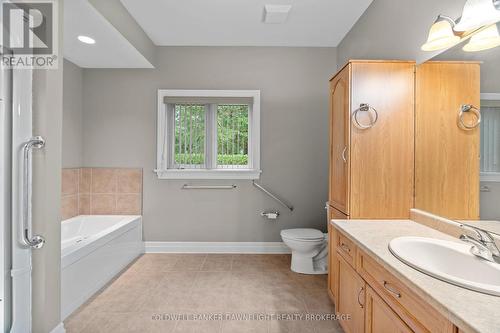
159, 284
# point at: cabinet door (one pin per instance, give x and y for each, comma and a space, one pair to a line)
447, 156
332, 250
339, 141
382, 156
350, 296
379, 317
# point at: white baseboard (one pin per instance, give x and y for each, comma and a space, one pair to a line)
59, 329
217, 247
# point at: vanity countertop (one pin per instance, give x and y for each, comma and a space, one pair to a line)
471, 311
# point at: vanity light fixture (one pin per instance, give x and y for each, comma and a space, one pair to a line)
441, 35
484, 40
477, 14
86, 39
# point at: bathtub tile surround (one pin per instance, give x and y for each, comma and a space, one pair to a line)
204, 284
101, 191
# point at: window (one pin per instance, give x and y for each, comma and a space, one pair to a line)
490, 137
208, 134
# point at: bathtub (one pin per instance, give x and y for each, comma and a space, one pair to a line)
94, 248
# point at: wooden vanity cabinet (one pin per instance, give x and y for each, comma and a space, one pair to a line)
371, 169
350, 296
332, 213
376, 300
379, 317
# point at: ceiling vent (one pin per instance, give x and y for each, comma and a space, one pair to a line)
276, 13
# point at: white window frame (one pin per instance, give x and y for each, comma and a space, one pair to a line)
490, 176
252, 172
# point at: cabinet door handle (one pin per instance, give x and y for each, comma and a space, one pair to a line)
345, 247
361, 305
344, 157
393, 291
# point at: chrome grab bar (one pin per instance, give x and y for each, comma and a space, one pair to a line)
208, 187
272, 196
27, 239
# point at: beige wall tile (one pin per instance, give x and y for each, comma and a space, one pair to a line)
103, 180
128, 204
103, 204
69, 183
129, 180
69, 206
101, 191
84, 204
85, 179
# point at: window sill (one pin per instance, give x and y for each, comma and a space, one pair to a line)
490, 177
208, 174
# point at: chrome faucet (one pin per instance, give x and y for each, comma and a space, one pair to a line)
483, 246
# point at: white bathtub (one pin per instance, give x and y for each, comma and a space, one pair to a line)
94, 248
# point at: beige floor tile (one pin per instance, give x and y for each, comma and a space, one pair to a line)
206, 280
327, 326
217, 263
160, 265
103, 323
79, 319
198, 327
163, 300
291, 326
210, 300
317, 300
249, 300
190, 262
245, 326
158, 284
177, 280
141, 323
311, 281
284, 300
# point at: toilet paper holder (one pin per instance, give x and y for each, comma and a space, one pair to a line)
270, 215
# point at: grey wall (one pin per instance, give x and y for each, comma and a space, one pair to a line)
120, 130
395, 29
72, 131
47, 122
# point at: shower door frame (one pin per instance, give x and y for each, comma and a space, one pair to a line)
5, 195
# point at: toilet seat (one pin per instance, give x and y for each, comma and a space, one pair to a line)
302, 234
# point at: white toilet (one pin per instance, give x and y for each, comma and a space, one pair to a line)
309, 250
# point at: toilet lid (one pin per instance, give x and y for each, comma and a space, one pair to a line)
302, 233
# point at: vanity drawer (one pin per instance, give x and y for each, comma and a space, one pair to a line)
417, 314
346, 248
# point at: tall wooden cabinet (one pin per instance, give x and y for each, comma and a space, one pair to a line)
371, 139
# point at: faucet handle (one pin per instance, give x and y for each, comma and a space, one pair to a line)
485, 238
479, 249
483, 235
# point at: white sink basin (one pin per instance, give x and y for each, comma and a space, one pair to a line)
448, 261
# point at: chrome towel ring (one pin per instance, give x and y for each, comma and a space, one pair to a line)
469, 108
364, 107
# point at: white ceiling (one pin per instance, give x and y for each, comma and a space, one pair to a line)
239, 22
111, 49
